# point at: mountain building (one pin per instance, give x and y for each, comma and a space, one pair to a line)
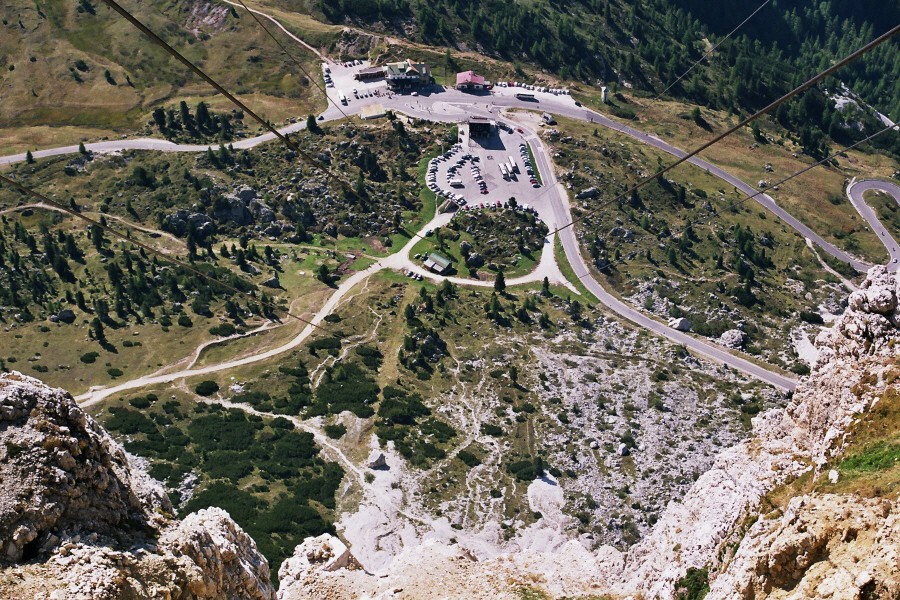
406, 74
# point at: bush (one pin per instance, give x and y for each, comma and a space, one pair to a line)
140, 402
88, 358
694, 585
207, 388
223, 329
800, 368
335, 432
524, 470
332, 344
492, 430
811, 317
469, 459
185, 321
114, 372
371, 357
128, 422
347, 387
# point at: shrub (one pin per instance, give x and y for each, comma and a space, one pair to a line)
332, 344
129, 422
223, 329
524, 470
335, 432
811, 317
492, 430
800, 368
88, 358
694, 585
114, 372
140, 402
207, 388
347, 387
185, 321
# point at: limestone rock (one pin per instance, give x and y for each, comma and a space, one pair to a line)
824, 546
733, 338
681, 324
62, 473
93, 524
376, 460
325, 553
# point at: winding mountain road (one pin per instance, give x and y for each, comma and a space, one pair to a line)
855, 192
451, 105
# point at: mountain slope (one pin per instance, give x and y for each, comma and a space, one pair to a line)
66, 63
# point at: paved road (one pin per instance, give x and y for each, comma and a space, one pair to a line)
444, 106
560, 203
855, 192
150, 144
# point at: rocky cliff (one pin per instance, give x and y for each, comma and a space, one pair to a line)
829, 546
79, 520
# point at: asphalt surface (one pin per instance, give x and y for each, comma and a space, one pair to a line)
855, 192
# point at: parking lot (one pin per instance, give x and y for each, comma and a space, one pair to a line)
474, 164
339, 79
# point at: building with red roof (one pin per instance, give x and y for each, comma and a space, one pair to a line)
469, 81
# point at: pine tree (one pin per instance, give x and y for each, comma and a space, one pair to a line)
312, 125
29, 158
500, 282
545, 287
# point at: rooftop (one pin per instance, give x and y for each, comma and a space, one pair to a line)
436, 260
470, 78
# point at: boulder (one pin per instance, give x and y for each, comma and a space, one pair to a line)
475, 261
376, 460
733, 338
680, 324
590, 192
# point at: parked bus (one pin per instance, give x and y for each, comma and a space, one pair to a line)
513, 167
343, 98
503, 171
528, 97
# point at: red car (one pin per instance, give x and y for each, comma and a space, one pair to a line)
519, 129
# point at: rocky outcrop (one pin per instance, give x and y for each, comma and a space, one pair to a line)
322, 554
839, 547
63, 474
79, 520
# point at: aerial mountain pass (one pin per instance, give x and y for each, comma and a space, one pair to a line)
442, 300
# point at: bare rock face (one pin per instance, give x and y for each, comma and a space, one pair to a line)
78, 520
822, 547
869, 326
220, 559
61, 474
325, 553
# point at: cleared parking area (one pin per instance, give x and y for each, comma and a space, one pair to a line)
504, 168
345, 91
